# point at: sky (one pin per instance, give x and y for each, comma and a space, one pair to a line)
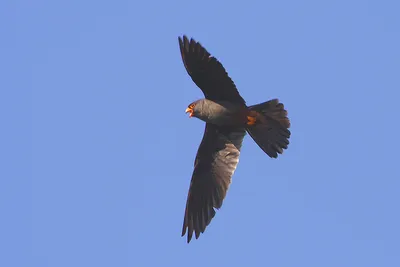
97, 152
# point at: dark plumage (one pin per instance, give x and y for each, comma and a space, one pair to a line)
227, 119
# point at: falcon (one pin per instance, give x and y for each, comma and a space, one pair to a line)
227, 119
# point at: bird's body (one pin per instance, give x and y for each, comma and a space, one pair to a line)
227, 118
221, 113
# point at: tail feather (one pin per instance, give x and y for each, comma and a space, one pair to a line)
271, 131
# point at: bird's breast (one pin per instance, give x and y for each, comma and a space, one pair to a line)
227, 115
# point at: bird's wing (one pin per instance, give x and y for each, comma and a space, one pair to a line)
216, 161
208, 73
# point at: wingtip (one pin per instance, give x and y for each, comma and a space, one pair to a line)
182, 39
185, 40
189, 236
183, 231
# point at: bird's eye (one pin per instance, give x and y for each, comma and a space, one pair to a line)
191, 106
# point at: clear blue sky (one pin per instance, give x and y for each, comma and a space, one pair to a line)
97, 151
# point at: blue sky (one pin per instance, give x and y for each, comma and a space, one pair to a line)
97, 152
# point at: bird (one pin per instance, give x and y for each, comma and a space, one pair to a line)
227, 120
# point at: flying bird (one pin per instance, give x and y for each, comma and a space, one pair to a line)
227, 118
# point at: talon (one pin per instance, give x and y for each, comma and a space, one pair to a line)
251, 120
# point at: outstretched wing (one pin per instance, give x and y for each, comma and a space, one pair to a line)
208, 73
216, 161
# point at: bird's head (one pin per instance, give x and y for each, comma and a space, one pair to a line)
194, 108
203, 109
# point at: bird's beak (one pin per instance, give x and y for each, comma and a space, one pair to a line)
190, 111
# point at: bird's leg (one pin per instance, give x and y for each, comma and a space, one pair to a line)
251, 118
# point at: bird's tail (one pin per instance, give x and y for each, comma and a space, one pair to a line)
270, 131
